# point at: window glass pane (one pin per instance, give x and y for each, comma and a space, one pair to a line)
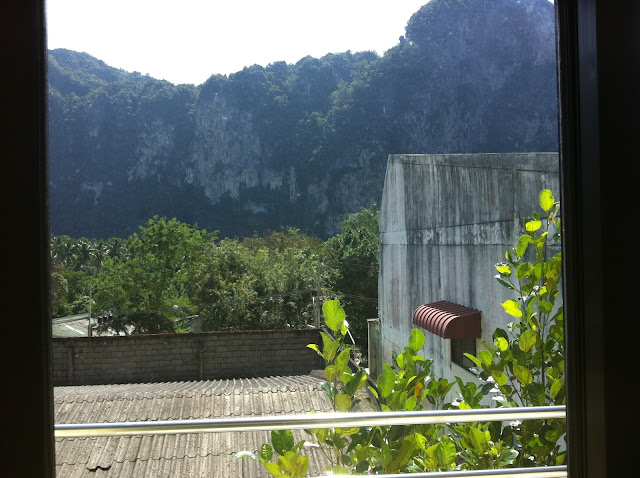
225, 184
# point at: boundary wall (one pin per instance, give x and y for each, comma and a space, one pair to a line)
182, 357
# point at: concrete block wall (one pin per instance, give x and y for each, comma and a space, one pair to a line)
180, 357
445, 221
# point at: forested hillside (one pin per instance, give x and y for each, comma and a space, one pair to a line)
167, 271
296, 144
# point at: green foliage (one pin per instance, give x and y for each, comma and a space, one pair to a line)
75, 265
354, 255
289, 463
142, 290
526, 362
258, 283
523, 367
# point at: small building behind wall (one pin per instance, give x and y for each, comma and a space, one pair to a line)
445, 221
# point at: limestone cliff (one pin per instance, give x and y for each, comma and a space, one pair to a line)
296, 144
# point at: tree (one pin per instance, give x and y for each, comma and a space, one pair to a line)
141, 290
354, 254
258, 283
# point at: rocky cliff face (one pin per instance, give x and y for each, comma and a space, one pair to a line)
296, 145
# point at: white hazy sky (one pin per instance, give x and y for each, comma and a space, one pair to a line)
186, 41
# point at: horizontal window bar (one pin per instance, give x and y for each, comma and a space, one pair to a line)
540, 472
309, 420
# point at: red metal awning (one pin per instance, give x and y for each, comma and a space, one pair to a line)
449, 320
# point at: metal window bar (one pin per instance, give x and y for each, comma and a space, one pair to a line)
338, 420
540, 472
309, 420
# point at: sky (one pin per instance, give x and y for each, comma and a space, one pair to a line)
186, 41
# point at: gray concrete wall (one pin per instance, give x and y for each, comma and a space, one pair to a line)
177, 357
445, 221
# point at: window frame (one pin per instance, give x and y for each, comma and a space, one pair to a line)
599, 57
461, 346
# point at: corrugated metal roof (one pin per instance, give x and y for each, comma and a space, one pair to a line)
186, 455
76, 327
449, 320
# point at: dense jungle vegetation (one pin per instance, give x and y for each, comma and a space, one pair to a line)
169, 270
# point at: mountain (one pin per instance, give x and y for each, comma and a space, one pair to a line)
296, 144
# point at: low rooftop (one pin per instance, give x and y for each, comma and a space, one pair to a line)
184, 455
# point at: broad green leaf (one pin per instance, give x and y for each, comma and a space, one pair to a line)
421, 441
431, 462
536, 393
328, 389
524, 270
342, 360
500, 333
537, 270
385, 382
296, 466
303, 467
522, 374
282, 441
330, 347
506, 457
528, 340
331, 372
478, 439
374, 392
355, 383
501, 343
387, 454
505, 283
416, 339
533, 226
473, 359
273, 469
288, 461
512, 307
411, 403
486, 388
402, 456
546, 200
314, 347
345, 432
553, 435
343, 402
503, 269
499, 377
485, 357
545, 306
446, 452
345, 375
557, 387
333, 314
522, 245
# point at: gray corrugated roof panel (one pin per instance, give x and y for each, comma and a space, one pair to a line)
185, 455
73, 328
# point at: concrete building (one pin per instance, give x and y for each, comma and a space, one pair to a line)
445, 221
